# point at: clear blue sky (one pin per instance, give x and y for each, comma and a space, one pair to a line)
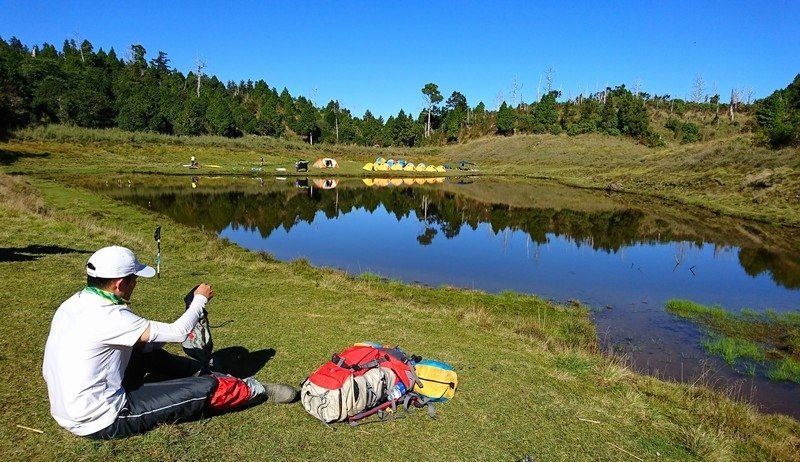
378, 55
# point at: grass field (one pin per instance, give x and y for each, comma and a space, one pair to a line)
532, 382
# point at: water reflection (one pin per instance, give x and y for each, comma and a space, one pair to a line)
602, 223
619, 255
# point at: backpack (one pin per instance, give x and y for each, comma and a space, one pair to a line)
367, 379
439, 380
198, 343
356, 380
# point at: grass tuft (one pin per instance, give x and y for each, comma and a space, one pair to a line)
786, 369
731, 349
768, 337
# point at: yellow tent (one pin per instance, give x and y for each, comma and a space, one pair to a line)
396, 166
369, 166
381, 167
409, 167
430, 168
440, 169
420, 167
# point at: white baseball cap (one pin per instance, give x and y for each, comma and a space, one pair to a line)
116, 262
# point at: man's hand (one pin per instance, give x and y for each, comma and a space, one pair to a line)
205, 290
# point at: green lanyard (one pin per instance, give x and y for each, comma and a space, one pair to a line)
107, 295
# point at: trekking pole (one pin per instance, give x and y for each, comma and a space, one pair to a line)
157, 237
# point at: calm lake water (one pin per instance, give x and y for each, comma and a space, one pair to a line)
619, 255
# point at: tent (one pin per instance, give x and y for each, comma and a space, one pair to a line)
325, 183
409, 167
326, 162
430, 168
369, 166
440, 169
381, 167
380, 160
397, 166
420, 167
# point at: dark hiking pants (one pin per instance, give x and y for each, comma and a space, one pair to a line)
151, 403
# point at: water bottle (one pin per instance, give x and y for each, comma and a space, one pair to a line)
396, 392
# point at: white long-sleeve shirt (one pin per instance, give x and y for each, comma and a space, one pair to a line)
88, 349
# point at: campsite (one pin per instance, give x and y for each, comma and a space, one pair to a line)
439, 231
575, 398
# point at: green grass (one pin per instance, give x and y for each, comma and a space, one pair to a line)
768, 338
531, 379
731, 349
726, 174
786, 369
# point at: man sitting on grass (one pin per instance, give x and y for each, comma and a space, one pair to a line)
99, 351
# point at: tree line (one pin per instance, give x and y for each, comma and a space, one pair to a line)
79, 86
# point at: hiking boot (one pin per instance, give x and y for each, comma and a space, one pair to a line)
280, 393
274, 392
257, 391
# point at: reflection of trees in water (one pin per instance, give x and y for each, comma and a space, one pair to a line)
445, 213
783, 270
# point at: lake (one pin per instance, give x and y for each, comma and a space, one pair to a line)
622, 256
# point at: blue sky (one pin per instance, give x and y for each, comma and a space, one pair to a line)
378, 55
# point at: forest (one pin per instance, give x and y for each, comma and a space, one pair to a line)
80, 86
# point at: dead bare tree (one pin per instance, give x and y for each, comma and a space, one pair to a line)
516, 93
549, 77
698, 89
539, 89
201, 64
336, 119
734, 101
499, 99
80, 47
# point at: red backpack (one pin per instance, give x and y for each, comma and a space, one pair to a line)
356, 381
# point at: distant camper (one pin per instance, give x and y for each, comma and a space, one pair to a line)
193, 162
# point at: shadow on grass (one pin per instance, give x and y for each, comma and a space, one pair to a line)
9, 157
241, 362
34, 252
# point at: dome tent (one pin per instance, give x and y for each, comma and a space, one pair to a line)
326, 162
